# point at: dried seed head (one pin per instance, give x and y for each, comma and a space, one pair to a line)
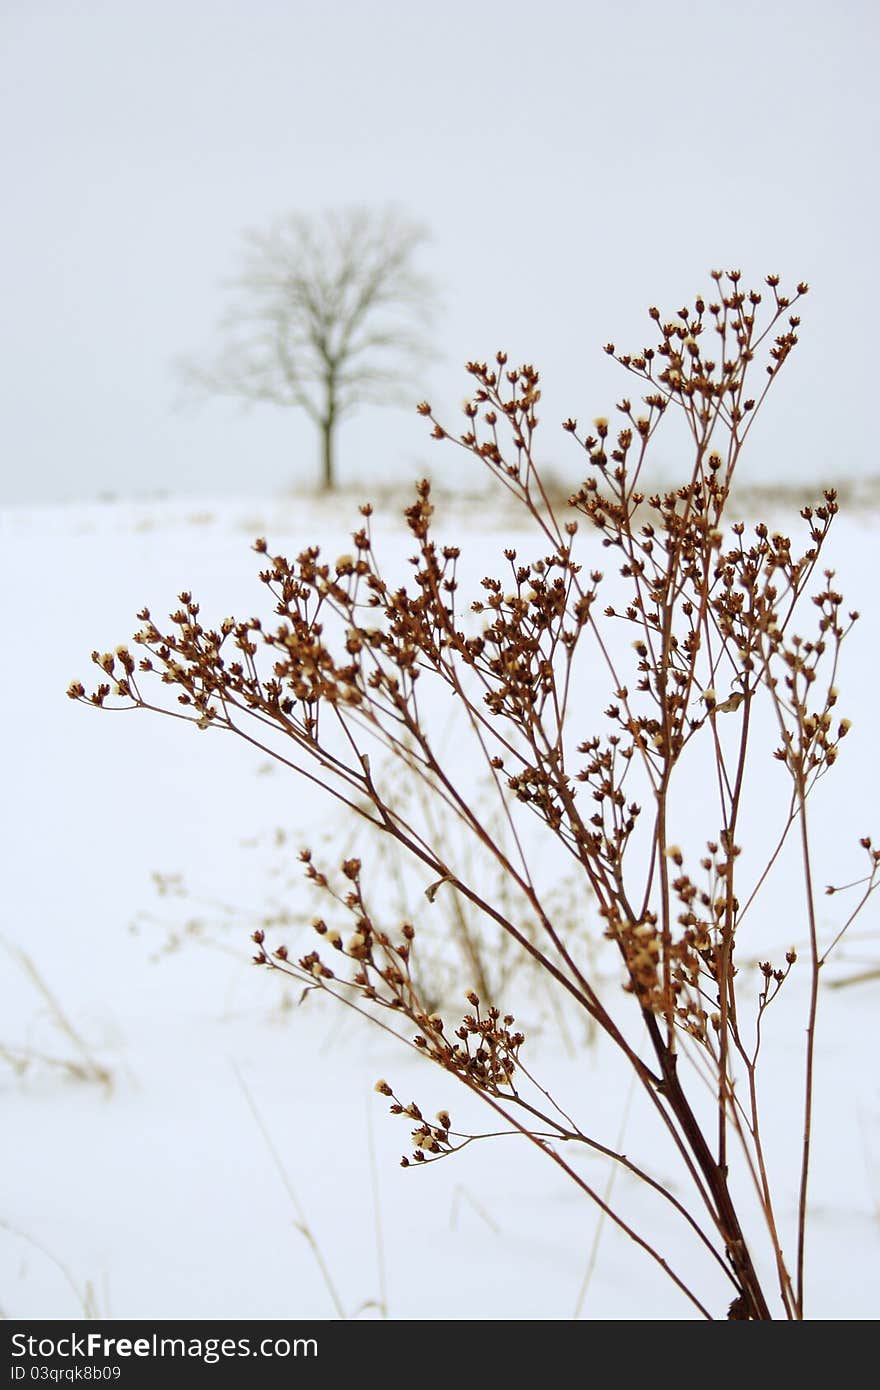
732, 702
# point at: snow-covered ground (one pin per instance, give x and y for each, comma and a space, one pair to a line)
161, 1193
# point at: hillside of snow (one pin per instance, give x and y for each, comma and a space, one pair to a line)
173, 1117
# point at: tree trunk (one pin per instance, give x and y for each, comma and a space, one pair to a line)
327, 454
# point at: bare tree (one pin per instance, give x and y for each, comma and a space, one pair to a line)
329, 313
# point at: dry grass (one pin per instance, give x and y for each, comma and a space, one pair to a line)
80, 1062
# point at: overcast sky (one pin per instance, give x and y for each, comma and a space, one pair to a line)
575, 162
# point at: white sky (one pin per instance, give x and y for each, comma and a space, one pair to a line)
575, 162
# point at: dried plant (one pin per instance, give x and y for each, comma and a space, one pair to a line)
84, 1294
731, 633
453, 940
79, 1062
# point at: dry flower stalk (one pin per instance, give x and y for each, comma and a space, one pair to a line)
711, 613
